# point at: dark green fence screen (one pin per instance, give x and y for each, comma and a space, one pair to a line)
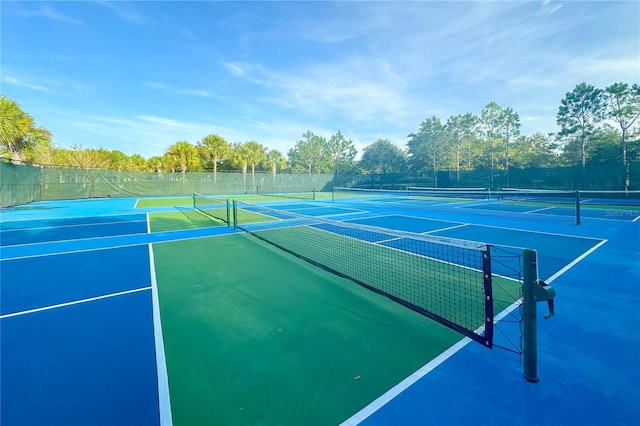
24, 183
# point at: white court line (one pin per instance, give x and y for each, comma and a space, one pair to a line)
413, 378
75, 302
445, 229
403, 385
75, 225
539, 210
164, 401
148, 224
575, 261
109, 247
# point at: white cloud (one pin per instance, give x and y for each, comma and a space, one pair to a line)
178, 91
46, 11
16, 82
125, 11
235, 69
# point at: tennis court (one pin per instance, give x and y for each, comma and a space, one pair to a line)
135, 312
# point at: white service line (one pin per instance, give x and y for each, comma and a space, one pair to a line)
75, 302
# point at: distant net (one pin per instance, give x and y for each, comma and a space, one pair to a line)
217, 208
444, 279
413, 193
610, 199
551, 205
283, 192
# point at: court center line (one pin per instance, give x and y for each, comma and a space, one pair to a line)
164, 401
75, 302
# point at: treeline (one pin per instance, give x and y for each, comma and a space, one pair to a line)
594, 125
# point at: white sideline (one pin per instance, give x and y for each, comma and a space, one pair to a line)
164, 402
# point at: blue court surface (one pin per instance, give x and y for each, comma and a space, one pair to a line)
81, 328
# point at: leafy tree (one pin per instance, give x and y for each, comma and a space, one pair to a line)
383, 157
579, 115
309, 152
216, 148
118, 160
85, 158
240, 156
256, 153
137, 163
623, 107
492, 128
275, 160
427, 148
182, 156
340, 150
155, 164
41, 152
17, 130
535, 151
509, 128
461, 133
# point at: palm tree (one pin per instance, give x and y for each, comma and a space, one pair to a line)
275, 160
217, 148
17, 129
256, 153
183, 156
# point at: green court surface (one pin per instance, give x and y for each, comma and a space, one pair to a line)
164, 202
181, 219
256, 336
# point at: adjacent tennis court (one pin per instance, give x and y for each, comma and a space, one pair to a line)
345, 309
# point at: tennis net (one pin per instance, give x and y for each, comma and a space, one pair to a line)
217, 208
412, 193
444, 279
550, 205
286, 193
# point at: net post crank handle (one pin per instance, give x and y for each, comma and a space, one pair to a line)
543, 292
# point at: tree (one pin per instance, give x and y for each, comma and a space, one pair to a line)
509, 128
491, 121
427, 147
275, 160
309, 152
182, 156
239, 156
41, 151
623, 107
383, 157
255, 154
340, 150
17, 130
217, 149
85, 158
155, 164
535, 151
579, 116
461, 133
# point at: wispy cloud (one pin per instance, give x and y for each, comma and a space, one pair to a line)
14, 81
125, 11
46, 11
235, 69
178, 91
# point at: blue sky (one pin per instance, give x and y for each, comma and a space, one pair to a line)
140, 76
